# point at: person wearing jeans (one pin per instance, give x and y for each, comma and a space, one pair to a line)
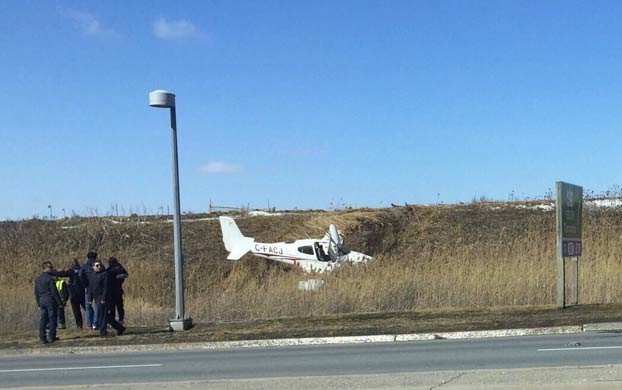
99, 288
90, 314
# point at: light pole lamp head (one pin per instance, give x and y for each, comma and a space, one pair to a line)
161, 99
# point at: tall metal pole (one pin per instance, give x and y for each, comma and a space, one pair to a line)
164, 99
179, 268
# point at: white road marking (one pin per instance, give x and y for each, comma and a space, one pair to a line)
80, 368
578, 348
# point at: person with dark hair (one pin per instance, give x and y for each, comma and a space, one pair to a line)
117, 274
76, 292
90, 312
48, 301
99, 289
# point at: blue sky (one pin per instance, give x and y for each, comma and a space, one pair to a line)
305, 104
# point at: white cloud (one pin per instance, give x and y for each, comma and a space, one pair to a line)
220, 167
165, 29
86, 22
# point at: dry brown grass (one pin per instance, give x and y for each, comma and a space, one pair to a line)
426, 257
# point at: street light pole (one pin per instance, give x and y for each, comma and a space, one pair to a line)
164, 99
179, 258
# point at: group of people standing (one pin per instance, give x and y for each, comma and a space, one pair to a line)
91, 287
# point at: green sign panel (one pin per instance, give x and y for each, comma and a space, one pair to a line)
569, 218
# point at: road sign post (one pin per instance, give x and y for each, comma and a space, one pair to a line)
574, 293
569, 209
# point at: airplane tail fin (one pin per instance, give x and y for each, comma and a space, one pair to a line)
234, 241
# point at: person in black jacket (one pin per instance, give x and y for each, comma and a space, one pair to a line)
76, 292
117, 275
99, 290
48, 301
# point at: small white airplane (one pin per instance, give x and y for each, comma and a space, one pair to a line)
309, 254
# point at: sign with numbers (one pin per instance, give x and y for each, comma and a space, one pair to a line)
569, 218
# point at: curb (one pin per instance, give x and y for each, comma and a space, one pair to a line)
603, 327
478, 334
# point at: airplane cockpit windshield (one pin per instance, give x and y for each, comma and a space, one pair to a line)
319, 252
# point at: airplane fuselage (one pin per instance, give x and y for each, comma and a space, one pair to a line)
309, 254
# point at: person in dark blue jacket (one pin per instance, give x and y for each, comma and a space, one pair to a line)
48, 301
90, 311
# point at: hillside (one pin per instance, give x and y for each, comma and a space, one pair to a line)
478, 255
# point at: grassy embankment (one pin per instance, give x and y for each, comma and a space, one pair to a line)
426, 257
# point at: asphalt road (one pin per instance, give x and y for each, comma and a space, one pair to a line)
580, 350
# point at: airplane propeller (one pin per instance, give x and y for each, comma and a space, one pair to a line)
334, 234
336, 242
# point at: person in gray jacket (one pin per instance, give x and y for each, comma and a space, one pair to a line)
48, 300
